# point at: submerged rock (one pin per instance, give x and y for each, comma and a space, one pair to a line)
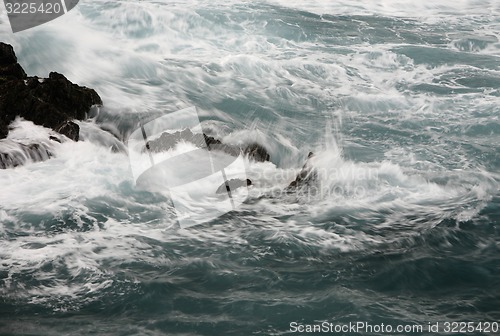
13, 154
257, 152
306, 176
168, 141
233, 184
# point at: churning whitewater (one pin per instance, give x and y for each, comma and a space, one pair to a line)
398, 101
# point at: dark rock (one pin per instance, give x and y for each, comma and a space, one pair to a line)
4, 129
16, 99
37, 152
168, 141
15, 154
306, 177
211, 141
53, 138
219, 146
257, 152
9, 68
69, 129
232, 185
74, 100
51, 102
7, 54
11, 71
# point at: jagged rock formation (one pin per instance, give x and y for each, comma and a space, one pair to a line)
257, 152
52, 102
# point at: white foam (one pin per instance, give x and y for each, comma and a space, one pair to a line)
145, 56
422, 10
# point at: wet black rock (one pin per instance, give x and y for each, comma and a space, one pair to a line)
69, 129
9, 68
232, 185
52, 102
168, 141
7, 54
15, 154
4, 129
306, 177
257, 152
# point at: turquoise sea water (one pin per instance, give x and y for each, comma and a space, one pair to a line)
400, 101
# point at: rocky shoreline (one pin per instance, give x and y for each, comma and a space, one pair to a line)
55, 103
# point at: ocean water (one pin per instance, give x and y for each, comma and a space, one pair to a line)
399, 101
